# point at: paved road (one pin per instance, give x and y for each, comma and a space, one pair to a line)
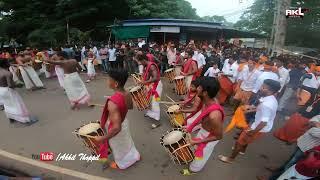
53, 133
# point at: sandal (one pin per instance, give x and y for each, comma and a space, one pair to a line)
225, 159
186, 172
113, 165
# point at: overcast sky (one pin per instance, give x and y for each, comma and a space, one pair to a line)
231, 9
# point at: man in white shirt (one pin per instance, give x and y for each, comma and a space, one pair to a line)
267, 74
141, 43
212, 71
199, 57
283, 74
112, 56
227, 79
247, 80
171, 54
264, 118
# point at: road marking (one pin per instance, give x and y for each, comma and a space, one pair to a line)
51, 167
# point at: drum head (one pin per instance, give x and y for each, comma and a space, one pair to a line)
179, 77
89, 128
172, 137
134, 89
168, 70
173, 108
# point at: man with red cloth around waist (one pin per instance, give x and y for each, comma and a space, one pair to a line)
211, 120
113, 119
152, 82
189, 68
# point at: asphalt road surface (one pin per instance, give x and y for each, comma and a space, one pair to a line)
53, 133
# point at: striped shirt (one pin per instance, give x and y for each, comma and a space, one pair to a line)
311, 138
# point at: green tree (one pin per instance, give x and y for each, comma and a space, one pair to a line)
217, 19
300, 32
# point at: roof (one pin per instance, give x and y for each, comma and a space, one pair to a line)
228, 32
171, 22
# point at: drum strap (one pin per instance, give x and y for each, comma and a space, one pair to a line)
153, 90
200, 147
119, 99
205, 113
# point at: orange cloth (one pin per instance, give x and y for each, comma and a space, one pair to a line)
293, 129
238, 120
226, 89
244, 139
318, 68
242, 95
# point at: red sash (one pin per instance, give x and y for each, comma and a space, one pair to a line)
193, 113
150, 57
119, 99
153, 90
200, 147
186, 67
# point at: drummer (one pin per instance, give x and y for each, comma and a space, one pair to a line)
118, 134
194, 111
189, 68
211, 124
151, 79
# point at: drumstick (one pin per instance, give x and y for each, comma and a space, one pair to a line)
136, 78
170, 98
166, 102
94, 104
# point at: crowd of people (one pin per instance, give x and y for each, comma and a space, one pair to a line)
258, 87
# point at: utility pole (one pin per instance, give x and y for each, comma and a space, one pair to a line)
274, 24
281, 26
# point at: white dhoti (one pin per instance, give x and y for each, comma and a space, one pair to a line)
154, 113
91, 71
188, 81
60, 75
14, 106
177, 70
15, 76
198, 163
30, 77
140, 68
291, 173
123, 149
75, 89
192, 119
47, 73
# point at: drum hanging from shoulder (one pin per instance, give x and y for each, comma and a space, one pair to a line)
176, 145
139, 97
176, 119
170, 74
181, 88
91, 129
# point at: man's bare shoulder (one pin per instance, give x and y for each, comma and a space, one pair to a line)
216, 116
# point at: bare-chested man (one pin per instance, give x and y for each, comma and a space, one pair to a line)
211, 120
189, 69
151, 79
29, 75
73, 84
14, 106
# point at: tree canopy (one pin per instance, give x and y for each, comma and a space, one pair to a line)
300, 32
43, 23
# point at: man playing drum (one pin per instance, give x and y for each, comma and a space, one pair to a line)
114, 119
73, 84
14, 106
211, 120
151, 79
189, 69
